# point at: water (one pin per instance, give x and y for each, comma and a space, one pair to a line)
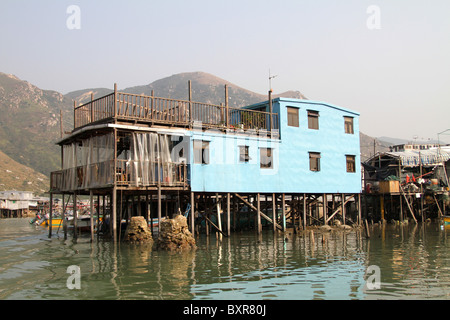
413, 261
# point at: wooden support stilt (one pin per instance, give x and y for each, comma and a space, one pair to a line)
359, 210
324, 203
192, 213
258, 213
228, 213
409, 206
51, 216
254, 208
274, 211
64, 216
91, 202
366, 225
283, 205
304, 211
75, 216
98, 215
219, 219
159, 206
113, 220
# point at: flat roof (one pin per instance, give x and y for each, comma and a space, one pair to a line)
302, 101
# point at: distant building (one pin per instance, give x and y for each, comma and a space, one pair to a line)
15, 203
413, 146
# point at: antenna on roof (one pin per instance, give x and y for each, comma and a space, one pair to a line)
270, 80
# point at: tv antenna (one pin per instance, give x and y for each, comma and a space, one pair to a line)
270, 80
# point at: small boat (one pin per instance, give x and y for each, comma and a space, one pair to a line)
83, 222
446, 221
44, 220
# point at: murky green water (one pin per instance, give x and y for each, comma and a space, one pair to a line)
414, 263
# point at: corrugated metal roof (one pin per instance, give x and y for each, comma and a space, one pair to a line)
431, 156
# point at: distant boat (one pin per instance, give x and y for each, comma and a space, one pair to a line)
83, 221
446, 221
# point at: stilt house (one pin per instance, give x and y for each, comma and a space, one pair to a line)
164, 155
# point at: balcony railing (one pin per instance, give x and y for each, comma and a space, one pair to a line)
124, 173
132, 107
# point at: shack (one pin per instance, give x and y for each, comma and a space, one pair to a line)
410, 181
277, 164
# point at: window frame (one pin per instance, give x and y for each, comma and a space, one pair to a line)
314, 156
268, 165
293, 114
203, 157
313, 119
349, 125
244, 154
350, 163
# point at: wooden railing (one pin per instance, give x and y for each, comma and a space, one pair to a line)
134, 107
151, 174
102, 175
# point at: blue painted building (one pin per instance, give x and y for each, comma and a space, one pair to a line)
127, 146
315, 150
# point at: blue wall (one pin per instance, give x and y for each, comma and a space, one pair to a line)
290, 172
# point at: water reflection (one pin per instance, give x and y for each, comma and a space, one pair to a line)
413, 261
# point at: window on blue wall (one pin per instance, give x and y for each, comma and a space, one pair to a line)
314, 161
292, 116
266, 158
243, 154
201, 152
348, 123
313, 119
350, 163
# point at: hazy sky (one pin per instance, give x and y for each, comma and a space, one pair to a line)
388, 60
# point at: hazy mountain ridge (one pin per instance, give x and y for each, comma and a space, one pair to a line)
205, 88
30, 123
15, 176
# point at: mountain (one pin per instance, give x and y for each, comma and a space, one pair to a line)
205, 87
369, 146
29, 123
16, 176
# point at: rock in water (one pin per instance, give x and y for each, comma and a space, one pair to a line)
174, 234
138, 231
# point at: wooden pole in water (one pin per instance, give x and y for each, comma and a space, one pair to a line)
228, 213
359, 209
304, 210
258, 213
274, 209
367, 228
159, 206
343, 208
91, 200
382, 207
283, 201
51, 216
192, 213
113, 219
324, 203
219, 219
75, 216
64, 216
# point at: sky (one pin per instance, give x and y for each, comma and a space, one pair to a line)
386, 59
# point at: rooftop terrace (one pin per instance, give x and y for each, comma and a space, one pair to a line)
121, 106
